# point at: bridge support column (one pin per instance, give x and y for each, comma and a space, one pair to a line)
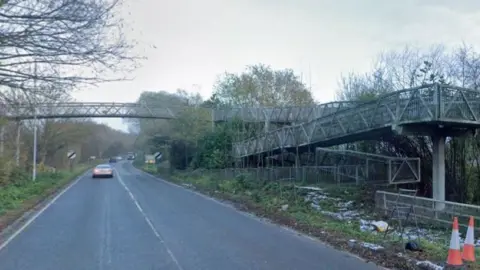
438, 170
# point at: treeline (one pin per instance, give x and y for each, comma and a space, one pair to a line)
54, 139
49, 49
191, 142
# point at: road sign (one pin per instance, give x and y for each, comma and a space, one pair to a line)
150, 159
71, 154
158, 155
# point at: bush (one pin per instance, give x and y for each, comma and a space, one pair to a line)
22, 188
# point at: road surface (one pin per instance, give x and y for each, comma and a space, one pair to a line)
135, 221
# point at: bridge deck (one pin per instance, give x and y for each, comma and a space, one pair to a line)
428, 105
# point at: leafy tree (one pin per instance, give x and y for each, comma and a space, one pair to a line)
181, 154
260, 85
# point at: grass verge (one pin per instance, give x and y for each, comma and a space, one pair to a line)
284, 204
24, 194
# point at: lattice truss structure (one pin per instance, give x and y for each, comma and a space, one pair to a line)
445, 105
89, 109
370, 168
280, 115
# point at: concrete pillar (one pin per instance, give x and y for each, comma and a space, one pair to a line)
438, 170
17, 144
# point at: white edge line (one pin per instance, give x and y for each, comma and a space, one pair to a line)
37, 214
257, 218
149, 222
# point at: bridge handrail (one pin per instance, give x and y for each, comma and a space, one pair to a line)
281, 114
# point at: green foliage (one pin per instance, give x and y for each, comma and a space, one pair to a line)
261, 85
23, 188
213, 152
181, 154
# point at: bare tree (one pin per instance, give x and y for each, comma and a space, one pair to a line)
48, 47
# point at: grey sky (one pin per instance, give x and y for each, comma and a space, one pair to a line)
189, 42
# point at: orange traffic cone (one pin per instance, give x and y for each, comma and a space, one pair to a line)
454, 253
469, 245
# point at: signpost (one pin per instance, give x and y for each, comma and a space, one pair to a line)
158, 156
149, 159
71, 156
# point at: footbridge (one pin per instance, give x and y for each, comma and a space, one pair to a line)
88, 109
277, 115
432, 110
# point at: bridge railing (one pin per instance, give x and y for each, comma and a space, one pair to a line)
281, 114
429, 103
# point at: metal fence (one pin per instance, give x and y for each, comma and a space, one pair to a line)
429, 210
368, 167
347, 174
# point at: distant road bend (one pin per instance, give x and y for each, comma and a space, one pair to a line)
136, 221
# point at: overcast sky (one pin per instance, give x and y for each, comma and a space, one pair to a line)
190, 42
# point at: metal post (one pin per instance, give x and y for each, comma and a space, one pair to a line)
17, 144
34, 166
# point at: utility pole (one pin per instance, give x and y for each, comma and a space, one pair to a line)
34, 169
17, 144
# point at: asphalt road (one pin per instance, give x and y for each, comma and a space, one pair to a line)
137, 222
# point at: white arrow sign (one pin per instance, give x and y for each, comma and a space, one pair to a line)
71, 154
157, 155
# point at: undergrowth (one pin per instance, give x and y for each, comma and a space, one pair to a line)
21, 188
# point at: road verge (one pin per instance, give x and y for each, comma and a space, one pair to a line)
18, 201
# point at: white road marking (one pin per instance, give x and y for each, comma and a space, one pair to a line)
34, 217
264, 221
149, 222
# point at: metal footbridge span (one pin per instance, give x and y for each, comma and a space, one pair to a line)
277, 115
428, 110
88, 109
